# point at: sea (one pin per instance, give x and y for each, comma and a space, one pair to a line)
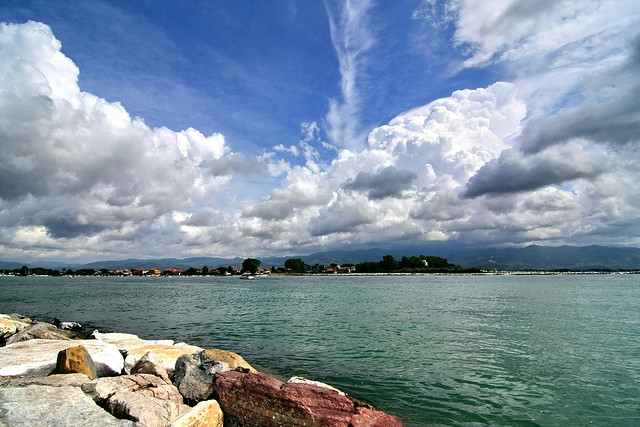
527, 350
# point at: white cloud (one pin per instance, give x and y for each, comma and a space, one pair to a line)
77, 166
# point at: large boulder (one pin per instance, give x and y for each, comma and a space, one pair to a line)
141, 397
7, 327
76, 360
39, 405
204, 414
127, 342
38, 357
232, 359
250, 399
194, 375
151, 363
168, 353
40, 330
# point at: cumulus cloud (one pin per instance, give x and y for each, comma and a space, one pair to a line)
74, 165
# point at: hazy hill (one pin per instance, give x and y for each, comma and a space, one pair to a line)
528, 258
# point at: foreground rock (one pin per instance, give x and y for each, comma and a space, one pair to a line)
255, 399
7, 327
76, 360
194, 376
140, 397
204, 414
168, 353
38, 357
40, 405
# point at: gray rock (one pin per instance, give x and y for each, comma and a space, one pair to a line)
37, 357
152, 364
40, 330
44, 406
194, 376
141, 397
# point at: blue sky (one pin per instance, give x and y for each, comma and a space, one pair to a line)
288, 127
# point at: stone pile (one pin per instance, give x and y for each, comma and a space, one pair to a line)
49, 377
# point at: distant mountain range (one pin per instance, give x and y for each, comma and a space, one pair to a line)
527, 258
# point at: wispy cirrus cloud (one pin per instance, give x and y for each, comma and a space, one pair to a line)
353, 36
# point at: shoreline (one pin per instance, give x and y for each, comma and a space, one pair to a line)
210, 386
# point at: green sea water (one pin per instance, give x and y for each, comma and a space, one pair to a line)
433, 350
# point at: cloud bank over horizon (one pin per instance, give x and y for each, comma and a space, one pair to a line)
547, 153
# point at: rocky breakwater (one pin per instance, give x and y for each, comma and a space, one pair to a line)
48, 376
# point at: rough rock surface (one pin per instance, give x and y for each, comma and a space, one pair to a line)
257, 399
56, 380
40, 330
76, 359
168, 353
37, 358
366, 417
127, 342
301, 380
230, 358
204, 414
250, 399
7, 327
141, 397
42, 406
194, 376
150, 363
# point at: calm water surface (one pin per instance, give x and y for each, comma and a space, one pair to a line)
434, 350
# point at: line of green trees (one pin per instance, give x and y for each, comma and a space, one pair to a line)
388, 264
413, 264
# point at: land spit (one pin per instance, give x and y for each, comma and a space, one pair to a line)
50, 375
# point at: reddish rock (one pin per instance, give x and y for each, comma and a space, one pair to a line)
76, 360
257, 399
366, 417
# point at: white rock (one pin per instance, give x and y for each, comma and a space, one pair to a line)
38, 405
127, 342
36, 358
302, 380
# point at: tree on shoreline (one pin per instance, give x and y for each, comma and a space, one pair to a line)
297, 265
251, 265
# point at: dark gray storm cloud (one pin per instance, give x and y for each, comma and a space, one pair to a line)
390, 182
514, 172
612, 115
616, 121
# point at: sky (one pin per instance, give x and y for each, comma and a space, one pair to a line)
146, 129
